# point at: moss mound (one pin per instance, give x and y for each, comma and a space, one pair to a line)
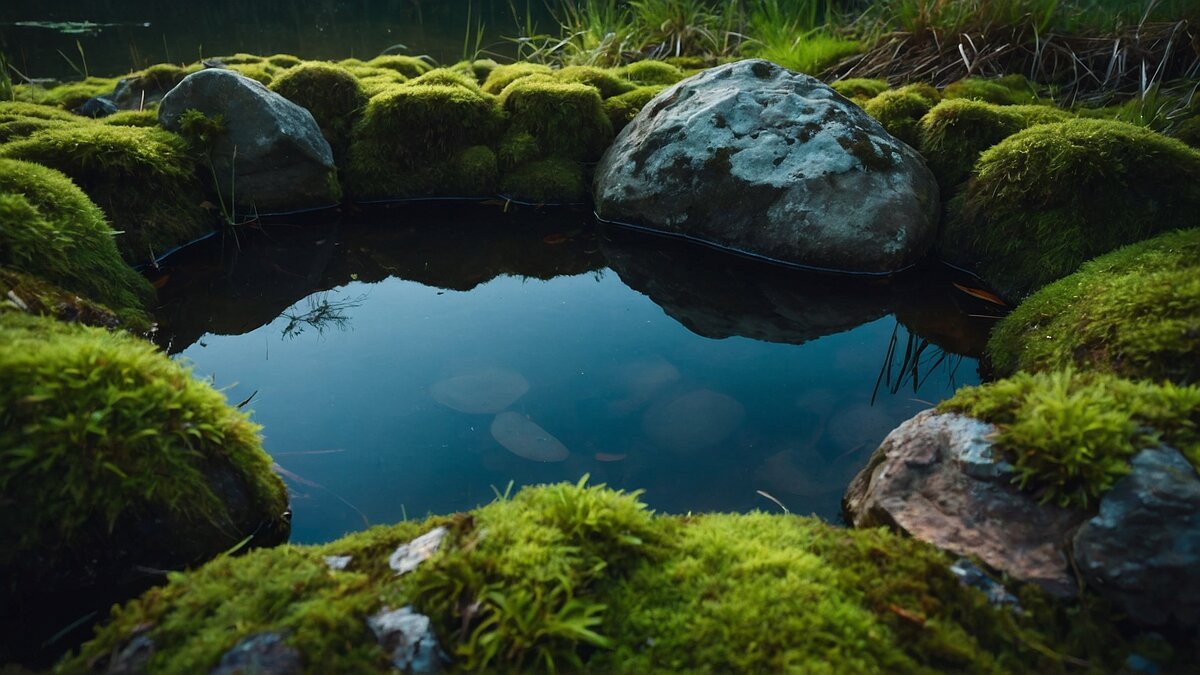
605, 81
112, 453
68, 95
1008, 90
1052, 196
568, 120
547, 181
408, 66
23, 127
1071, 435
502, 76
860, 89
132, 118
26, 293
899, 111
650, 72
410, 140
623, 108
567, 578
144, 179
10, 110
333, 96
1134, 312
955, 132
447, 77
50, 229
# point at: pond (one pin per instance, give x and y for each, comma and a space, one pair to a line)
425, 358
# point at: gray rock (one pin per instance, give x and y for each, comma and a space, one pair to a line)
410, 640
96, 107
407, 557
935, 478
1143, 549
755, 158
272, 148
969, 574
133, 657
262, 654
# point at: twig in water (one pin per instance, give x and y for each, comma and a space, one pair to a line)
777, 502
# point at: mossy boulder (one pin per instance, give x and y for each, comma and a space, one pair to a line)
1046, 199
331, 93
1008, 90
410, 141
408, 66
51, 230
622, 108
650, 72
574, 578
1134, 312
502, 76
554, 180
900, 111
144, 179
112, 455
567, 119
607, 82
955, 132
446, 77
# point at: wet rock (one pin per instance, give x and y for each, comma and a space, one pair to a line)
1143, 549
969, 574
409, 638
272, 148
95, 107
936, 479
262, 654
756, 158
133, 657
408, 556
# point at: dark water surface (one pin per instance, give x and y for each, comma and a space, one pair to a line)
413, 366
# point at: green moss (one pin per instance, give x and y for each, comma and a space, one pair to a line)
161, 77
1071, 435
1134, 312
23, 292
69, 95
241, 59
1188, 131
547, 181
284, 60
1052, 196
622, 109
952, 135
132, 118
445, 77
860, 89
144, 180
10, 110
24, 127
333, 96
1009, 90
651, 72
810, 53
50, 229
516, 148
408, 66
570, 578
899, 112
607, 82
100, 431
568, 120
502, 76
261, 72
409, 137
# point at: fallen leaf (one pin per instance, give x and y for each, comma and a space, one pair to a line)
981, 294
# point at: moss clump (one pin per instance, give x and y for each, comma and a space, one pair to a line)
1052, 196
284, 61
502, 76
605, 81
573, 578
10, 110
651, 72
132, 118
24, 127
160, 77
899, 111
860, 89
1134, 312
952, 135
568, 120
547, 181
1188, 131
446, 77
623, 108
333, 96
102, 436
50, 229
408, 142
1009, 90
69, 95
144, 179
261, 72
1071, 435
26, 293
408, 66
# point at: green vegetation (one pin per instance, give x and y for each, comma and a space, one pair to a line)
102, 435
900, 110
331, 93
1011, 90
651, 72
555, 180
26, 293
1071, 435
69, 95
132, 118
143, 178
566, 577
1046, 199
859, 89
1134, 312
51, 230
408, 66
623, 108
502, 76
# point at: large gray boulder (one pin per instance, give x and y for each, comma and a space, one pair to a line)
1143, 549
272, 156
756, 158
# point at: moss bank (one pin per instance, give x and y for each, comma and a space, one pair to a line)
1071, 435
1134, 312
331, 93
1046, 199
567, 577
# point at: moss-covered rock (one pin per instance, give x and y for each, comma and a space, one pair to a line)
502, 76
331, 93
567, 578
144, 179
554, 180
900, 111
952, 135
408, 66
1134, 312
112, 455
410, 138
446, 77
284, 61
607, 82
860, 89
622, 108
1071, 435
1052, 196
650, 72
568, 120
1008, 90
51, 230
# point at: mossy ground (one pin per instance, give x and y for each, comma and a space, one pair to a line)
1071, 434
102, 433
1046, 199
1134, 312
567, 577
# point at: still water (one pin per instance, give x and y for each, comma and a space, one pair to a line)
419, 364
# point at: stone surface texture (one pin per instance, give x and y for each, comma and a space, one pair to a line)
263, 654
753, 157
1143, 549
935, 479
272, 157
